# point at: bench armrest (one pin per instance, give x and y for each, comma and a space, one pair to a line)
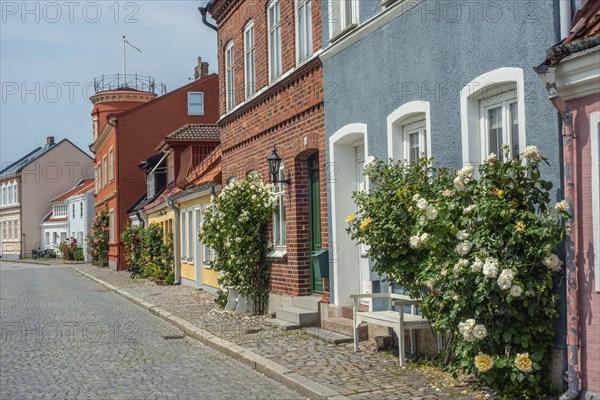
407, 302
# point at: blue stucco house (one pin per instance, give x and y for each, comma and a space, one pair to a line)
451, 79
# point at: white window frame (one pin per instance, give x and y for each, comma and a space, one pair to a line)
15, 193
95, 127
280, 243
487, 87
104, 172
111, 164
303, 9
60, 210
183, 236
190, 235
229, 77
98, 176
3, 198
338, 11
73, 210
503, 101
409, 116
419, 128
190, 95
595, 182
150, 185
249, 60
81, 209
274, 46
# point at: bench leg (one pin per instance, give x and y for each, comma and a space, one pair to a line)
356, 324
412, 342
401, 344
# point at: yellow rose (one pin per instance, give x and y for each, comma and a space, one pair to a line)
366, 223
524, 363
520, 226
350, 218
483, 362
498, 192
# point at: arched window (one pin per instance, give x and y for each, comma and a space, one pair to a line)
409, 132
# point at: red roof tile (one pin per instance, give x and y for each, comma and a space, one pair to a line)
83, 187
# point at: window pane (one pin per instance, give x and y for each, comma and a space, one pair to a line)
195, 103
301, 33
495, 131
413, 142
514, 129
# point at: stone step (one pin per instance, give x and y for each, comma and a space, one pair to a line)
298, 316
281, 324
348, 311
307, 302
345, 327
329, 336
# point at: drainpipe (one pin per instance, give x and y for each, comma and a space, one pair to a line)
548, 76
176, 255
203, 11
565, 18
143, 217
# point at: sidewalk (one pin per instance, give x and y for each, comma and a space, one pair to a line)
295, 358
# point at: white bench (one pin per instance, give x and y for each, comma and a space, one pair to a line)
399, 321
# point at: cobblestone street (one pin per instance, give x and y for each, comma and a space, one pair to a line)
364, 375
65, 337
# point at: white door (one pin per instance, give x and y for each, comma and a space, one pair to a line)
363, 262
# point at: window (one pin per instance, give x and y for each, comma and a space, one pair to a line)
170, 168
183, 235
98, 177
111, 226
274, 41
95, 127
15, 193
63, 237
343, 16
104, 170
60, 210
10, 230
408, 132
47, 239
249, 71
414, 141
80, 238
4, 233
72, 210
304, 47
190, 233
3, 201
9, 195
229, 78
150, 185
195, 103
17, 231
111, 165
279, 225
492, 110
500, 125
81, 209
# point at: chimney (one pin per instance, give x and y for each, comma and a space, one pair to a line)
201, 69
50, 141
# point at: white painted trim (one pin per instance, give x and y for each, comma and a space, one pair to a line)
249, 25
595, 181
404, 112
346, 133
469, 109
578, 75
368, 27
229, 47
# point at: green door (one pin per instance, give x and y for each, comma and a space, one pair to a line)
314, 219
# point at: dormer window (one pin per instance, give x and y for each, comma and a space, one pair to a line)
151, 185
59, 210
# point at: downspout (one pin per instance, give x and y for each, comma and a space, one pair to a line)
203, 11
176, 255
143, 217
565, 18
548, 76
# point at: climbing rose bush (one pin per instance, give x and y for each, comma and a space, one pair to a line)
235, 227
98, 238
481, 254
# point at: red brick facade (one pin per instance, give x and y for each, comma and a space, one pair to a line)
139, 125
287, 113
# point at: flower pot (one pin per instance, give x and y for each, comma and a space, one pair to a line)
232, 299
244, 305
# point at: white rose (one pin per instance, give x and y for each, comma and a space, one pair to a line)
469, 209
422, 204
490, 267
491, 158
462, 235
466, 172
459, 184
415, 242
424, 237
532, 152
423, 221
552, 262
516, 291
504, 282
238, 240
464, 248
416, 197
479, 332
562, 206
431, 213
508, 274
477, 266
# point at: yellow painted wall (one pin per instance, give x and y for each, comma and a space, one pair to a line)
165, 221
209, 277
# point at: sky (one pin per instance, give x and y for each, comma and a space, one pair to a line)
50, 52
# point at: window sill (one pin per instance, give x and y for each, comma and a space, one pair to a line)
278, 253
207, 266
346, 30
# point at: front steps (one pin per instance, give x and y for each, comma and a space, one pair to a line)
345, 326
304, 311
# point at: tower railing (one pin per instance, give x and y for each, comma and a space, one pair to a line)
128, 82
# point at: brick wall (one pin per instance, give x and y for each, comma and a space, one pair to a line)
287, 114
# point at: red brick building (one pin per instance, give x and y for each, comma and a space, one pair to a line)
271, 94
128, 125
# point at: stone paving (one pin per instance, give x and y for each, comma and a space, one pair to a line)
65, 337
363, 375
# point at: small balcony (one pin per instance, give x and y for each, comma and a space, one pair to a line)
136, 82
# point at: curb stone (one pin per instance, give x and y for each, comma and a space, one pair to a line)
28, 262
269, 368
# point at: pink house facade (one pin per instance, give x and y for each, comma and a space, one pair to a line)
572, 77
